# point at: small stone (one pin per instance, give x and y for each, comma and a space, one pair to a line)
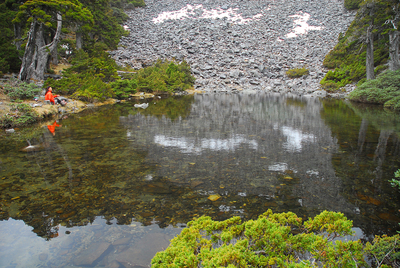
254, 82
214, 197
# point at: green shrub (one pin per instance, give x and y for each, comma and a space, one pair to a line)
123, 88
348, 57
163, 76
18, 90
121, 4
88, 77
137, 3
396, 182
385, 90
275, 240
92, 89
10, 57
20, 115
280, 240
297, 72
4, 66
352, 4
380, 69
384, 250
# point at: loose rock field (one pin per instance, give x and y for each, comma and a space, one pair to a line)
238, 45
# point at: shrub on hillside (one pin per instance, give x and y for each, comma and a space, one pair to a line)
385, 90
18, 90
137, 3
348, 58
297, 72
20, 114
352, 4
88, 77
163, 76
123, 88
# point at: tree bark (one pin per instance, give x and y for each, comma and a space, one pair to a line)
394, 41
79, 40
37, 52
17, 35
370, 54
28, 65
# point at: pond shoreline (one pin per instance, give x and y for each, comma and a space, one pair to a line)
46, 112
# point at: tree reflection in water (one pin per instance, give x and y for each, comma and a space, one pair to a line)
160, 165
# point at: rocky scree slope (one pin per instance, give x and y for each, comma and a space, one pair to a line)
249, 46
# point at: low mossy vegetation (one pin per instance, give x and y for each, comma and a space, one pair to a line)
276, 240
17, 90
20, 114
136, 3
297, 72
385, 90
162, 76
95, 78
352, 4
347, 60
17, 113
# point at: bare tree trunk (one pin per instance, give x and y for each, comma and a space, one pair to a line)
79, 40
394, 41
54, 56
370, 54
37, 53
28, 63
17, 35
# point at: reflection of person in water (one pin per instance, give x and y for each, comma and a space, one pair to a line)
52, 128
49, 96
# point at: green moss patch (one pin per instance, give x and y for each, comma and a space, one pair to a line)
297, 72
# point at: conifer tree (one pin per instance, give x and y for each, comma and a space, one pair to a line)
45, 18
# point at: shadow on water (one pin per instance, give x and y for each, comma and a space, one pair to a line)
113, 184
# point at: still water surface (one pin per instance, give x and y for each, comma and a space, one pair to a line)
113, 185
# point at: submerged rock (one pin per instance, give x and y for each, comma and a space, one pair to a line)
90, 255
141, 253
214, 197
143, 105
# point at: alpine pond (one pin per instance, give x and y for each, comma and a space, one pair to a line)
111, 186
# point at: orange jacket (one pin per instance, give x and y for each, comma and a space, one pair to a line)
49, 96
52, 128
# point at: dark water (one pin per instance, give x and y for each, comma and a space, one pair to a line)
113, 185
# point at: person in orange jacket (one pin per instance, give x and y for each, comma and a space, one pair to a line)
52, 128
49, 96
